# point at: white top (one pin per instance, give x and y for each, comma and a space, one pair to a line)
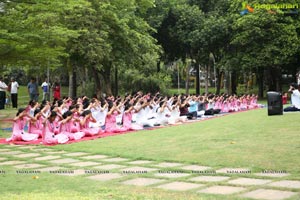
162, 115
296, 98
3, 86
45, 86
14, 87
99, 115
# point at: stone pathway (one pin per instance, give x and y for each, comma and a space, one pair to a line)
198, 179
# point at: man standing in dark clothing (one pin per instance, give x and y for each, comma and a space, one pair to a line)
33, 90
3, 87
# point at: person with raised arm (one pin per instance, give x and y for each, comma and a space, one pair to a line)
88, 118
110, 121
51, 131
36, 125
18, 132
163, 113
295, 98
175, 117
68, 128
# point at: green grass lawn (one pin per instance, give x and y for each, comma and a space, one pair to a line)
250, 139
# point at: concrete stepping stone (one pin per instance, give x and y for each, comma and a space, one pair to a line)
11, 152
76, 172
106, 176
84, 164
286, 184
115, 159
180, 186
210, 178
12, 162
27, 155
172, 175
249, 181
140, 162
109, 167
196, 168
274, 175
143, 181
234, 171
138, 170
95, 157
222, 190
47, 158
168, 164
28, 166
76, 154
269, 194
1, 150
55, 152
49, 169
64, 161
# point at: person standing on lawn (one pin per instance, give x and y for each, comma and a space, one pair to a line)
56, 90
46, 90
3, 87
33, 89
14, 86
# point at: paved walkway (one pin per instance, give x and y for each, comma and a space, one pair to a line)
240, 182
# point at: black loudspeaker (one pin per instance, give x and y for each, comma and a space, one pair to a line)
275, 106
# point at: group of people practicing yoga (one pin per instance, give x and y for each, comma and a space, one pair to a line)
68, 119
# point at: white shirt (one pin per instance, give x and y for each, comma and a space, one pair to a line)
14, 87
296, 98
3, 86
45, 87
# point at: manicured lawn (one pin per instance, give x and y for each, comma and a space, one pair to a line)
250, 139
247, 139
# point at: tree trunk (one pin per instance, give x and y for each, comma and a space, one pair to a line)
187, 79
260, 80
207, 67
116, 81
70, 83
97, 82
70, 73
218, 81
74, 80
273, 78
197, 79
279, 80
226, 82
233, 82
106, 72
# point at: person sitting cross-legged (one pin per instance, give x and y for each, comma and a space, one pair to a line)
295, 98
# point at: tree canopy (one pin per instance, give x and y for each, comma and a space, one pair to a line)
127, 45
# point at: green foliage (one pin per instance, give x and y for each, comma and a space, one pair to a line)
138, 34
145, 80
33, 33
265, 39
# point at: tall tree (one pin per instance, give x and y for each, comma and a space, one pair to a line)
264, 42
